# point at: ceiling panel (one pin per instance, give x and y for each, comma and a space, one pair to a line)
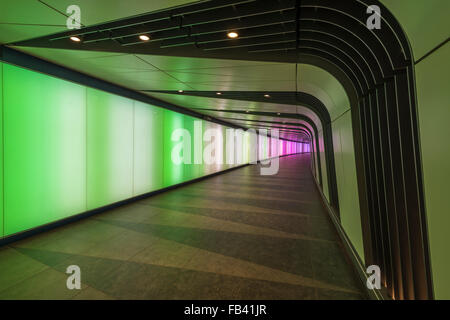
16, 32
181, 63
122, 63
29, 12
24, 19
245, 86
64, 55
122, 69
222, 104
227, 75
269, 72
151, 80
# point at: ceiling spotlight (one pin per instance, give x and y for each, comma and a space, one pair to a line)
246, 111
232, 35
266, 96
218, 93
144, 37
75, 39
180, 91
278, 113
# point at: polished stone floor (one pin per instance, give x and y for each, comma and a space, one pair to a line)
238, 235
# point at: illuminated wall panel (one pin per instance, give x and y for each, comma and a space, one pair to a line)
217, 151
173, 172
44, 149
246, 147
148, 143
207, 168
224, 165
229, 155
194, 169
260, 147
266, 147
220, 150
239, 147
109, 148
69, 149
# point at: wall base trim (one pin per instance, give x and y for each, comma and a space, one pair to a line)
353, 256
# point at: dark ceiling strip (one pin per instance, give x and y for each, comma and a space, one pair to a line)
165, 14
162, 30
296, 130
264, 121
219, 37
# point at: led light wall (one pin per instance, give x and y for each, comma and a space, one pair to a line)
69, 148
193, 164
173, 171
44, 149
148, 155
109, 148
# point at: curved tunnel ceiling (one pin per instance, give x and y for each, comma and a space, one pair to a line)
333, 32
329, 35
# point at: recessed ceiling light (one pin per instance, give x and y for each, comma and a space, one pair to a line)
144, 37
278, 113
267, 96
232, 34
219, 93
180, 91
75, 39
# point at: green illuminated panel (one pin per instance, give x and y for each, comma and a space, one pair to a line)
194, 169
109, 148
44, 145
220, 150
173, 172
69, 149
148, 143
207, 168
238, 147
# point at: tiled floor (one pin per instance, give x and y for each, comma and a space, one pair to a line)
239, 235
